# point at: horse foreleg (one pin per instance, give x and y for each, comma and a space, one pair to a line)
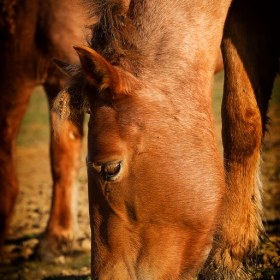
13, 104
251, 60
65, 152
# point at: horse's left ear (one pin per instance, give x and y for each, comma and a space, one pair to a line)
101, 73
63, 66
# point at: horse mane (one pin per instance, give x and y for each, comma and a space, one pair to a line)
113, 34
73, 99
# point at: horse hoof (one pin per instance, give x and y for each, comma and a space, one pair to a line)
50, 249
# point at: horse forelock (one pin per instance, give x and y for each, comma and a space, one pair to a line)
140, 37
74, 98
113, 34
111, 37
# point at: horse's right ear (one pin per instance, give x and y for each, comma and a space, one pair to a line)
63, 66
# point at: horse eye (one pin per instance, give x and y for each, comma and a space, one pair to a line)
110, 170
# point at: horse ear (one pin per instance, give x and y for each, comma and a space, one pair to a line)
99, 72
63, 66
125, 6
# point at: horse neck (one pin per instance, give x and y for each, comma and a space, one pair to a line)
179, 40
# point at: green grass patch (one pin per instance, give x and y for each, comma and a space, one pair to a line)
35, 127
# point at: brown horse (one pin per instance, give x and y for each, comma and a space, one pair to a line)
31, 33
156, 180
159, 201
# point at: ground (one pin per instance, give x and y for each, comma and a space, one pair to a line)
33, 204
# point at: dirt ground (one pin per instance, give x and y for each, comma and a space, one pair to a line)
33, 204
